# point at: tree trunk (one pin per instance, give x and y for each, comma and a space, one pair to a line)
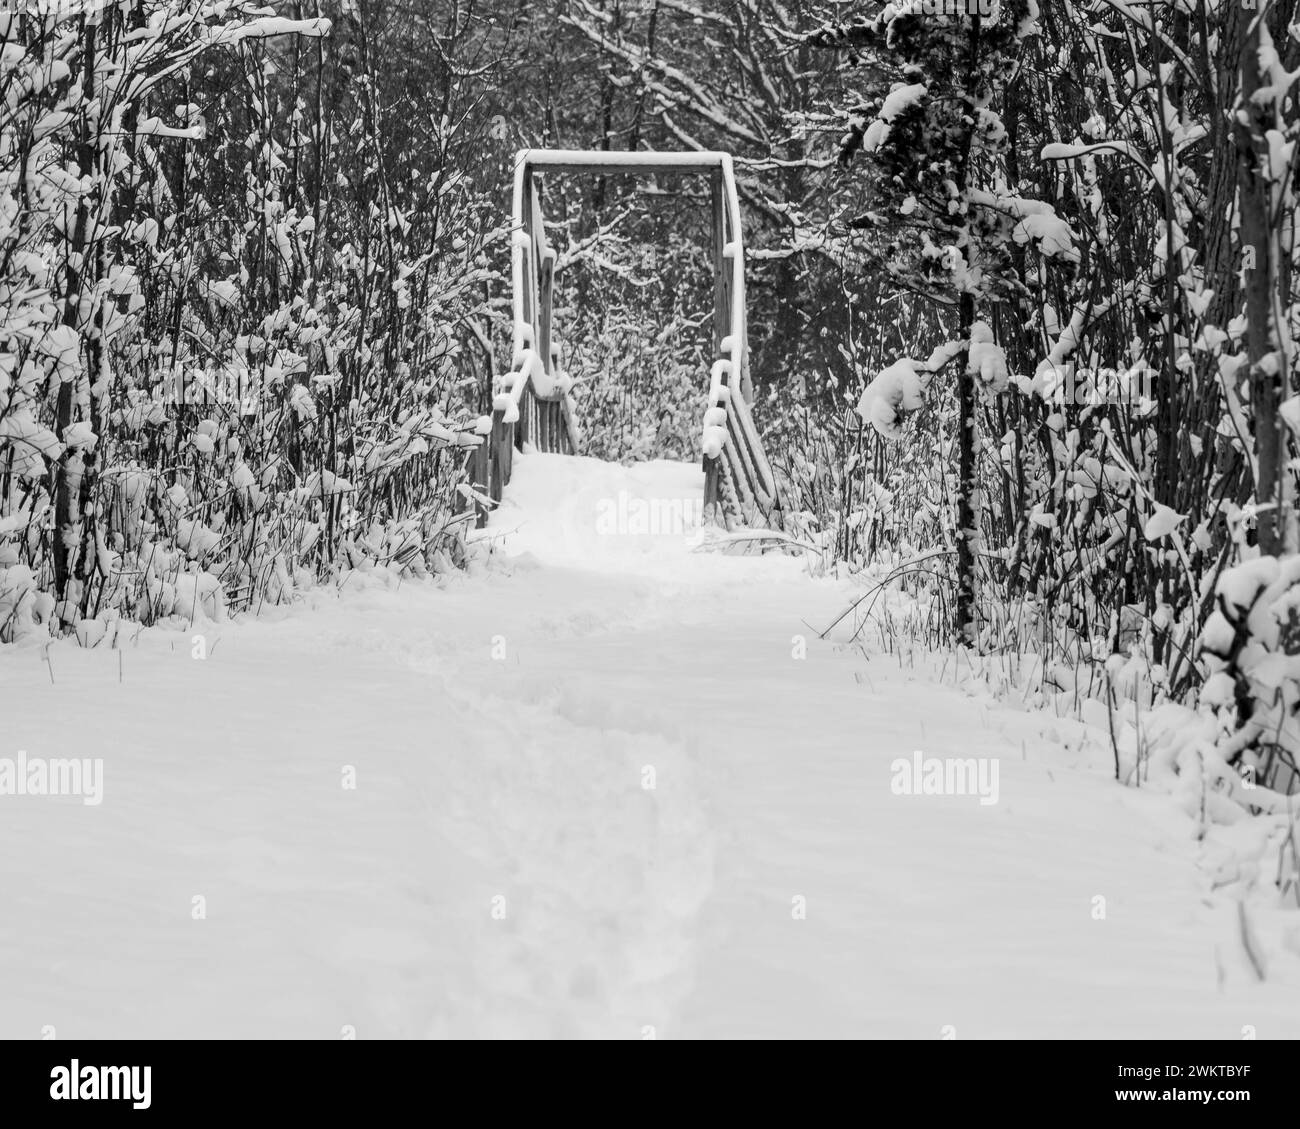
967, 487
1262, 346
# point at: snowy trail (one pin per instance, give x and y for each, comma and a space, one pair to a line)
501, 868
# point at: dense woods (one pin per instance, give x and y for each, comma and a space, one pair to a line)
1022, 305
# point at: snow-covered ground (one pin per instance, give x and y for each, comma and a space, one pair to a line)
604, 786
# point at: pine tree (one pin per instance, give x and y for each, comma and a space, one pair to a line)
927, 125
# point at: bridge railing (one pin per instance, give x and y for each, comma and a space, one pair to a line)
739, 485
532, 404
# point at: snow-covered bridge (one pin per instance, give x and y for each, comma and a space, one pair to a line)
533, 403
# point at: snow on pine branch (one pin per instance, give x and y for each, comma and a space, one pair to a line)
1036, 222
899, 390
901, 97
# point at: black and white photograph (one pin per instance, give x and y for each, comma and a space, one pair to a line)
650, 520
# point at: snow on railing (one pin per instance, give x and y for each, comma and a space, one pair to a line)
519, 242
601, 158
529, 251
726, 373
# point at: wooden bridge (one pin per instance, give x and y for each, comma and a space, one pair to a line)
533, 403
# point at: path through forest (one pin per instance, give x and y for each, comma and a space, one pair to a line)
604, 786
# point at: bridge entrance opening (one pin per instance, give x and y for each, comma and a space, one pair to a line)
533, 401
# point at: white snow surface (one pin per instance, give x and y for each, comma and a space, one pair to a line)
500, 869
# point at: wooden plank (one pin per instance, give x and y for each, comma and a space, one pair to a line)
545, 293
543, 426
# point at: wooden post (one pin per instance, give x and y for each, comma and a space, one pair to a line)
546, 288
570, 427
500, 455
508, 454
721, 326
479, 472
721, 277
527, 219
542, 263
